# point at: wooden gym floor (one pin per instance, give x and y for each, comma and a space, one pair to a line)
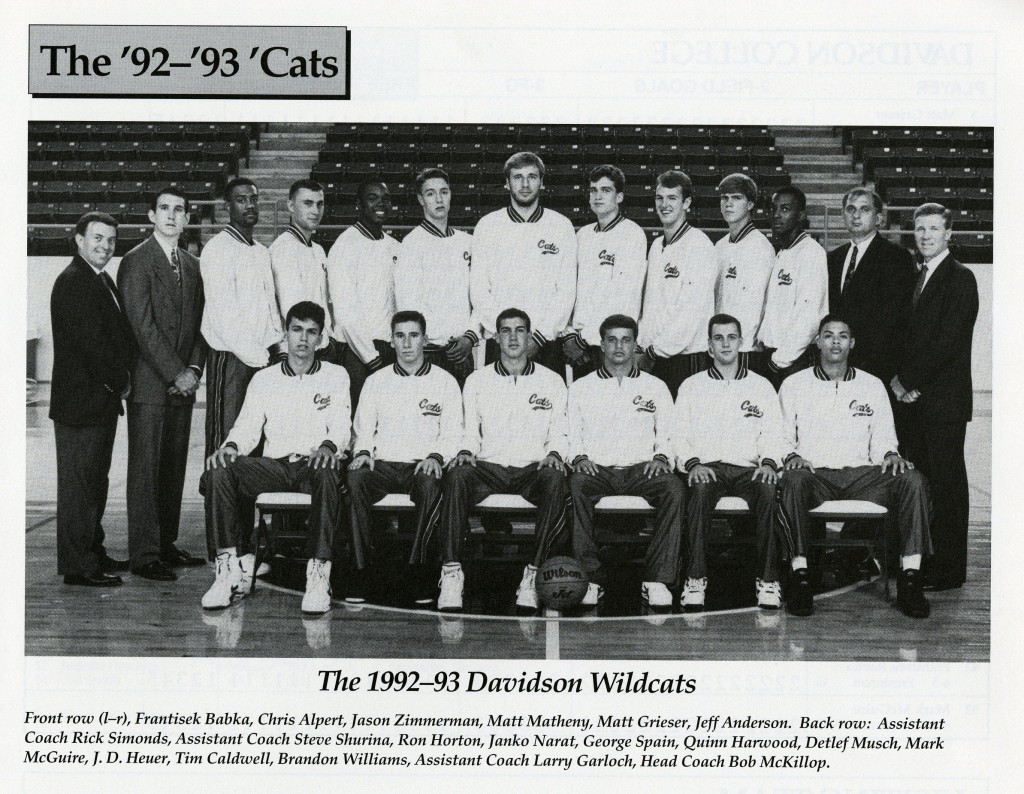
144, 618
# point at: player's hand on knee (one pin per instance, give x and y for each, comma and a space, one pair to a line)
429, 466
586, 466
463, 459
657, 467
897, 463
322, 458
700, 473
362, 461
766, 473
552, 461
222, 458
796, 462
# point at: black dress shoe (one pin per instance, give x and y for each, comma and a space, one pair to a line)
109, 565
92, 580
173, 557
799, 594
156, 571
909, 598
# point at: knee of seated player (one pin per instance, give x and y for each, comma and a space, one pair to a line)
671, 486
427, 484
912, 481
325, 475
795, 479
551, 480
358, 479
214, 479
458, 475
581, 483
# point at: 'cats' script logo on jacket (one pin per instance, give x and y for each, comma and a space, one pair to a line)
731, 271
671, 271
430, 409
547, 248
785, 280
606, 258
645, 406
540, 403
321, 401
861, 409
749, 409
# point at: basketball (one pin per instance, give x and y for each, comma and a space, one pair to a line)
561, 583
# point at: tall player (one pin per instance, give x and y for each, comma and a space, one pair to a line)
241, 320
525, 255
514, 442
300, 265
797, 296
680, 295
361, 286
432, 277
611, 263
745, 262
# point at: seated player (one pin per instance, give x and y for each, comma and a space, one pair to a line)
727, 436
301, 407
839, 431
407, 427
514, 442
619, 441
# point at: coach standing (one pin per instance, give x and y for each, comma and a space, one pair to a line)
93, 352
933, 385
163, 297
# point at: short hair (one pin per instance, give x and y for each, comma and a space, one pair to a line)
833, 317
796, 193
618, 321
168, 190
931, 208
304, 184
864, 192
94, 217
672, 179
409, 316
370, 180
523, 160
611, 172
512, 313
235, 182
306, 310
739, 183
431, 173
724, 319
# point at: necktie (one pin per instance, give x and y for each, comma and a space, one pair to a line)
919, 287
109, 282
175, 266
850, 270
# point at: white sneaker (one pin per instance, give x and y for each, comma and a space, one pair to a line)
594, 595
452, 583
693, 594
225, 584
656, 595
317, 598
246, 563
769, 594
526, 595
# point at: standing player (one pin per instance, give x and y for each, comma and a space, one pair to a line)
361, 286
745, 262
870, 282
797, 296
300, 265
300, 407
432, 277
842, 445
514, 442
407, 427
680, 295
163, 297
739, 457
611, 262
93, 354
525, 255
933, 385
619, 441
241, 320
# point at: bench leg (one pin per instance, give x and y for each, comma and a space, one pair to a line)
259, 551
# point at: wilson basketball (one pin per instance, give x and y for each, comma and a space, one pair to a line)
561, 583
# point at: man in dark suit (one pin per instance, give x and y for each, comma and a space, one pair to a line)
933, 385
93, 353
163, 295
870, 281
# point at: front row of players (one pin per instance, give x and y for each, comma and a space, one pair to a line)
828, 434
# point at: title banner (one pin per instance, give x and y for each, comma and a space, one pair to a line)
188, 61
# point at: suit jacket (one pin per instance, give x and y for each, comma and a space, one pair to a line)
164, 318
875, 303
936, 352
93, 348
